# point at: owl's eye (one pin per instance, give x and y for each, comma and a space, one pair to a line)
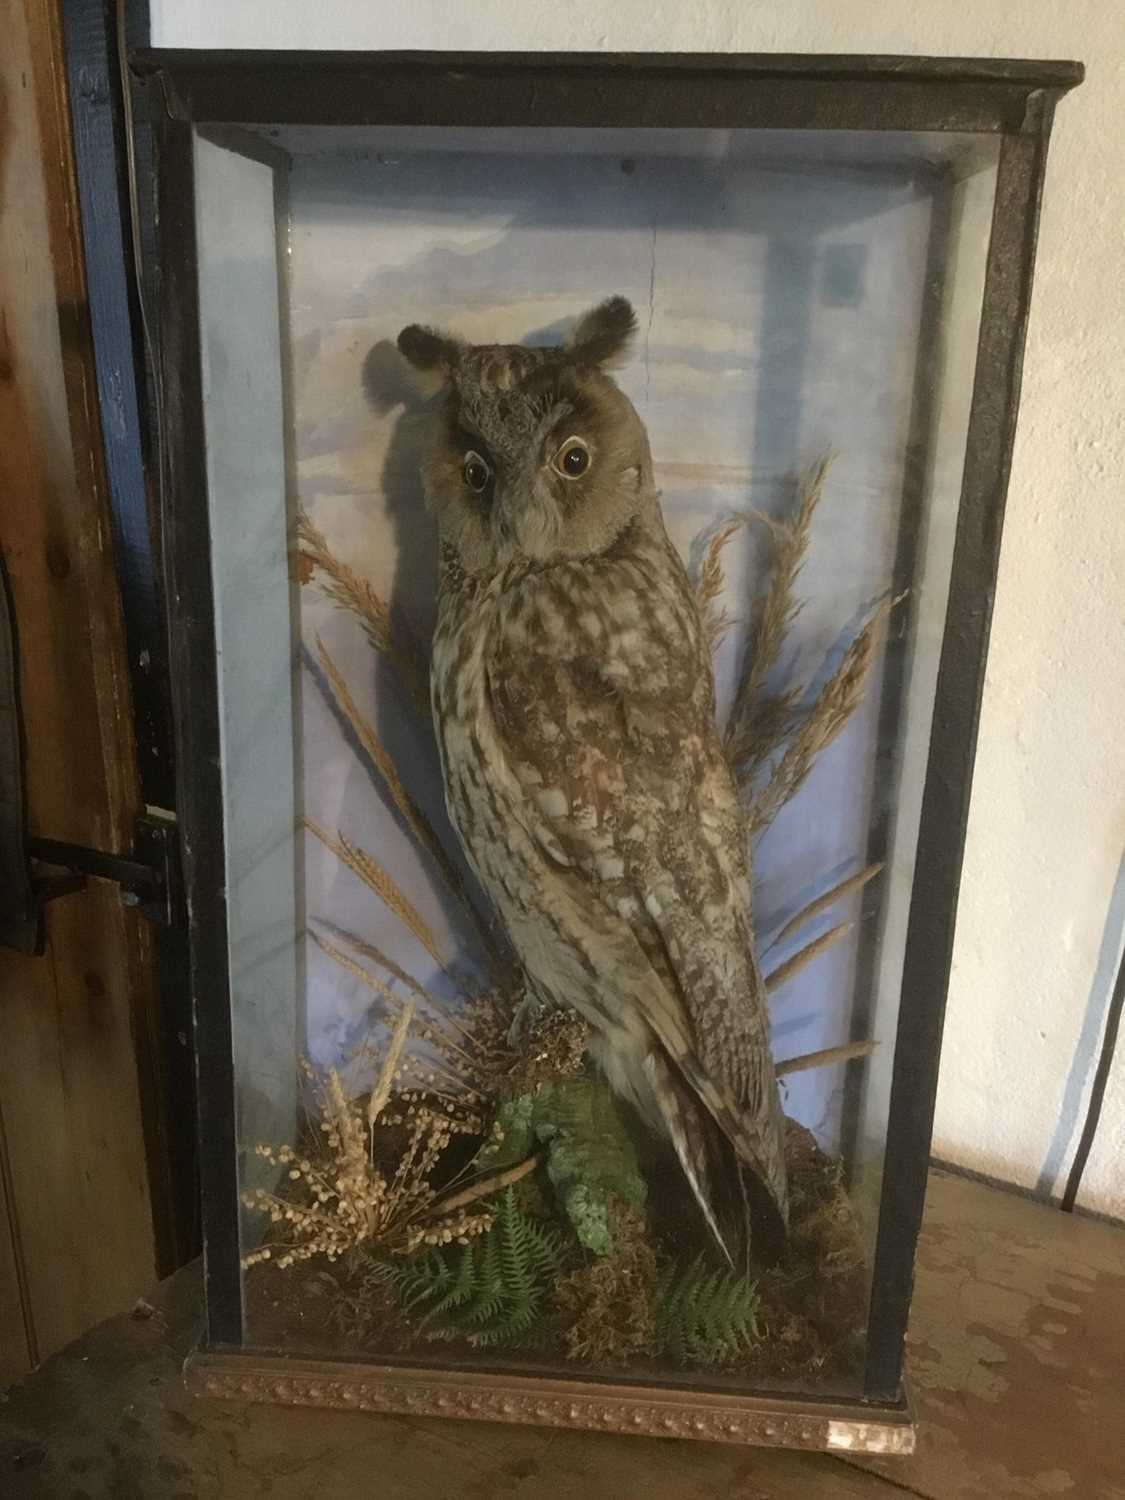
573, 458
476, 471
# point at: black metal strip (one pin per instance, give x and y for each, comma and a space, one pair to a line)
718, 91
945, 806
130, 873
1032, 73
97, 125
197, 720
125, 390
138, 23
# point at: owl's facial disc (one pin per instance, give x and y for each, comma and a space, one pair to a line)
535, 452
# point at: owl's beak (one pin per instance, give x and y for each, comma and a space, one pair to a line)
525, 515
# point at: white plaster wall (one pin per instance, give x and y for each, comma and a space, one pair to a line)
1033, 957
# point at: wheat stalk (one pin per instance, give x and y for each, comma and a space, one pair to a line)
444, 1017
369, 739
759, 719
369, 950
777, 977
415, 819
375, 877
376, 955
823, 1058
709, 587
834, 706
383, 1084
353, 593
439, 1027
822, 903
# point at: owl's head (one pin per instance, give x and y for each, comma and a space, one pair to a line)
533, 451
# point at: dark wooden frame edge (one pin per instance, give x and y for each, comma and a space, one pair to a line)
1015, 100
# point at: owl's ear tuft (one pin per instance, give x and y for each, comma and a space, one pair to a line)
602, 335
434, 354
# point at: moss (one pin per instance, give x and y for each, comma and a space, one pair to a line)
813, 1312
554, 1047
811, 1307
604, 1309
588, 1151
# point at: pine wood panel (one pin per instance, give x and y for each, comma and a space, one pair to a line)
68, 1081
73, 1023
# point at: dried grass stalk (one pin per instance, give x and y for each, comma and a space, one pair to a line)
377, 956
485, 1186
352, 1189
834, 706
413, 816
758, 719
353, 593
824, 1058
375, 877
774, 718
709, 587
777, 977
822, 903
381, 1093
453, 1040
474, 1049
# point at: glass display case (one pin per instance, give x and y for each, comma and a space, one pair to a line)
582, 485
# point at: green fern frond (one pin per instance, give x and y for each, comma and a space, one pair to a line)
704, 1315
461, 1290
494, 1290
515, 1255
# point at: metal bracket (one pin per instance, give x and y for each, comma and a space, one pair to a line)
149, 878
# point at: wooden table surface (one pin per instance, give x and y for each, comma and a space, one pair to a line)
1017, 1363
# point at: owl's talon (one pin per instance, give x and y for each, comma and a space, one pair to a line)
528, 1013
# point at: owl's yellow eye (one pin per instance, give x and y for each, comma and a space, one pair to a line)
573, 458
476, 472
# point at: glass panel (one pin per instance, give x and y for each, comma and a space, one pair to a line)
256, 621
797, 296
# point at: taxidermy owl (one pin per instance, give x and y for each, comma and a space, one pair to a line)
574, 705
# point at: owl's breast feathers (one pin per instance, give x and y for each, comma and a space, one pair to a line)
575, 712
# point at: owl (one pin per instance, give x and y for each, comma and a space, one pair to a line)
574, 706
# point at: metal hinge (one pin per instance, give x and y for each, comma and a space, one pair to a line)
149, 878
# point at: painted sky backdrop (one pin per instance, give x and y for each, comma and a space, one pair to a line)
780, 289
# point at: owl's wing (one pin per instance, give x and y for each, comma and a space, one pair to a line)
602, 695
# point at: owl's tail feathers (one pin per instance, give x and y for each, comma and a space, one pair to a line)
686, 1124
736, 1203
770, 1229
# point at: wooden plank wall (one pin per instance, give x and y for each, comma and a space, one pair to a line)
15, 1342
77, 1026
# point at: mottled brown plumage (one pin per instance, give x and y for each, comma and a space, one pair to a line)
574, 704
